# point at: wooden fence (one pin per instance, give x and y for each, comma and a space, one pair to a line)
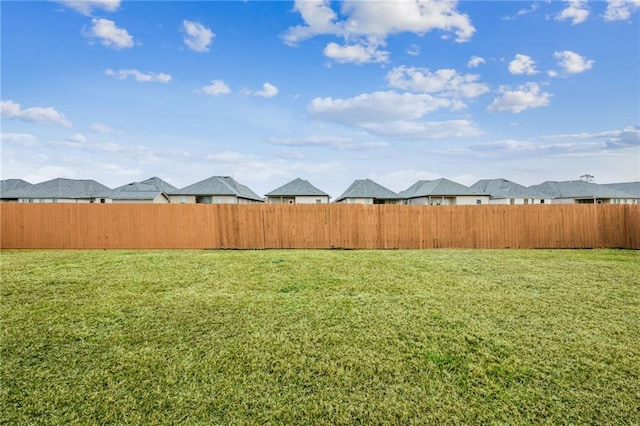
196, 226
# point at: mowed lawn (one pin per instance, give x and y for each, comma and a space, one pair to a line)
320, 337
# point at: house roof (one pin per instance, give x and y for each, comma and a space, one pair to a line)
296, 187
366, 188
438, 187
159, 184
578, 189
16, 188
502, 188
631, 188
145, 190
72, 188
218, 185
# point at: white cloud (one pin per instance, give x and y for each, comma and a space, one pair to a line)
252, 168
313, 140
24, 139
116, 169
111, 35
40, 115
77, 138
355, 53
80, 142
336, 142
620, 10
380, 19
50, 172
319, 18
576, 144
110, 147
475, 61
525, 97
393, 115
522, 12
217, 87
367, 24
522, 64
444, 81
572, 63
506, 145
413, 50
289, 154
230, 157
139, 76
86, 7
102, 128
576, 10
627, 137
268, 91
198, 36
376, 107
421, 130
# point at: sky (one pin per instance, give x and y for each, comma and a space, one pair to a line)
268, 91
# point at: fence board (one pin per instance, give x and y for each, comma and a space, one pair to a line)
632, 222
147, 226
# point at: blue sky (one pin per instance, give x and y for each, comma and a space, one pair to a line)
119, 91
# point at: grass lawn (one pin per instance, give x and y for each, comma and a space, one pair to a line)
320, 337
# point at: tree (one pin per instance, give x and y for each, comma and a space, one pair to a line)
587, 177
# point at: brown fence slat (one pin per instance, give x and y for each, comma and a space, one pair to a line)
148, 226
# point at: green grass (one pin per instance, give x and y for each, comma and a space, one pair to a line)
320, 337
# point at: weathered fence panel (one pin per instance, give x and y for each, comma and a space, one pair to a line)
258, 226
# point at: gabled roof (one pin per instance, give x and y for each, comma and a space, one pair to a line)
502, 188
366, 188
72, 188
631, 188
296, 187
218, 185
438, 187
577, 189
145, 190
16, 188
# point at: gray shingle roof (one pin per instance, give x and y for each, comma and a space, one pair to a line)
296, 187
136, 191
631, 188
366, 188
145, 190
502, 188
218, 185
578, 189
72, 188
159, 184
17, 188
438, 187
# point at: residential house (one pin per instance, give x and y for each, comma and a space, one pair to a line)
215, 190
442, 192
580, 192
366, 191
16, 191
631, 188
298, 191
502, 191
62, 190
152, 190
